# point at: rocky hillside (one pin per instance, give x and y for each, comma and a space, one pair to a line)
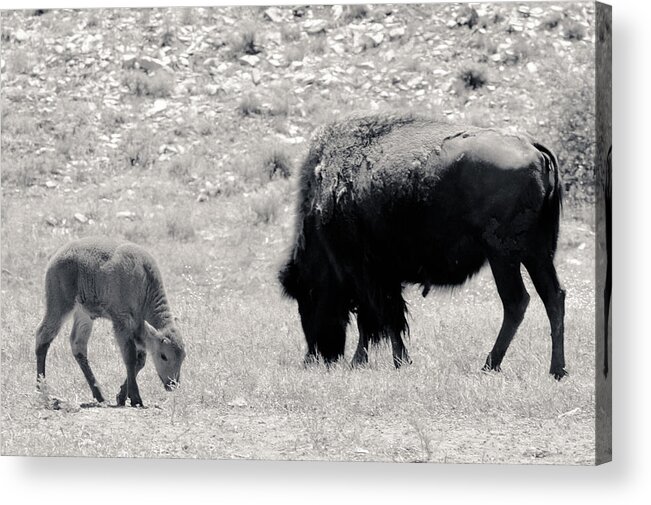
223, 99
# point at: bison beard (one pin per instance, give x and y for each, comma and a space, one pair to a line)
389, 200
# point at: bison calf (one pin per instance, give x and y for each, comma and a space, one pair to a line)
97, 277
388, 200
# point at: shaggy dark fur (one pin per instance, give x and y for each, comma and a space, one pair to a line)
388, 200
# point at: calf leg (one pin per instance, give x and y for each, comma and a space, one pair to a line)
543, 275
125, 335
58, 307
82, 327
515, 300
141, 356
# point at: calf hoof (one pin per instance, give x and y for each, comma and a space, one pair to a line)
559, 373
121, 397
491, 366
136, 402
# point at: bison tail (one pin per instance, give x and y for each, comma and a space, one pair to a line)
553, 204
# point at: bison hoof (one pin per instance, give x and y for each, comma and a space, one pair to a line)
491, 366
120, 400
559, 373
310, 359
360, 359
398, 362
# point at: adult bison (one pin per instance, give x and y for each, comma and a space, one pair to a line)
389, 200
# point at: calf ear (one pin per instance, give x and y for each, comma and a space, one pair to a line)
152, 332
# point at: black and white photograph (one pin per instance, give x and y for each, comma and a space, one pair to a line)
342, 233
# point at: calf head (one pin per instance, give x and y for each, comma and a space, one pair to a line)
167, 351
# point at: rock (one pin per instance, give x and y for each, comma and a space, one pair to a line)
125, 214
81, 218
390, 55
51, 221
211, 89
531, 67
277, 15
238, 402
366, 64
250, 59
396, 33
337, 11
159, 106
21, 35
313, 26
338, 48
256, 76
50, 184
150, 64
377, 38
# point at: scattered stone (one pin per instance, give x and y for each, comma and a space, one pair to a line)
250, 59
81, 218
238, 402
51, 221
125, 214
256, 76
50, 184
377, 38
396, 33
21, 35
277, 15
159, 106
531, 67
314, 26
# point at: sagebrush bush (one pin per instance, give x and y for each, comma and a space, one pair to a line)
179, 227
265, 205
276, 163
158, 85
250, 105
574, 31
245, 42
574, 144
473, 78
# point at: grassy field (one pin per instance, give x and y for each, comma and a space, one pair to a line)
189, 161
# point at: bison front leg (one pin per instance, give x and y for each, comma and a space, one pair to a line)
360, 357
515, 300
324, 323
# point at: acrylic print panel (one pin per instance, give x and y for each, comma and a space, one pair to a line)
197, 134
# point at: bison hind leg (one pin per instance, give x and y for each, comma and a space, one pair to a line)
515, 300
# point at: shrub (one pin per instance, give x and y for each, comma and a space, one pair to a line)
265, 205
551, 21
355, 12
276, 163
138, 148
245, 42
250, 105
158, 85
473, 78
574, 31
179, 227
